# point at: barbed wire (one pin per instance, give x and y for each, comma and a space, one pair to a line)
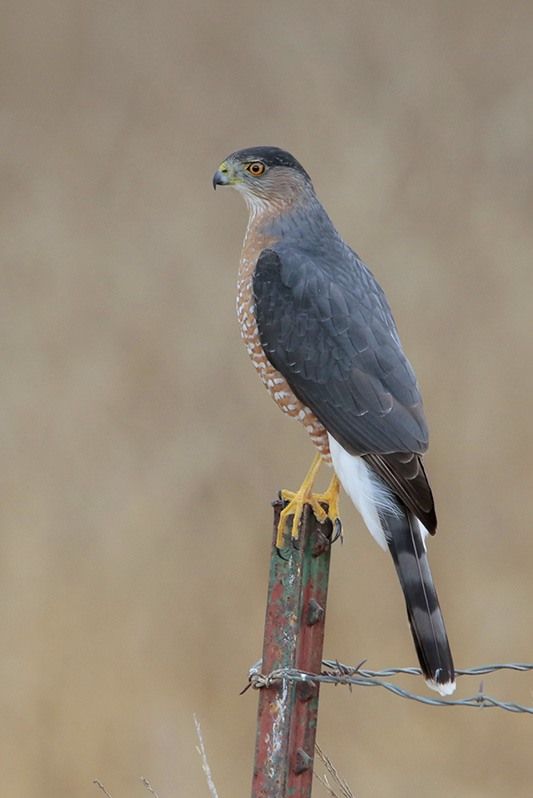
335, 672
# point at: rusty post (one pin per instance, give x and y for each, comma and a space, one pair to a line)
294, 638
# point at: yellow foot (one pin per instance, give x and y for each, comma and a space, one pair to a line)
297, 501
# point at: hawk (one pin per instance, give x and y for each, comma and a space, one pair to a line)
320, 333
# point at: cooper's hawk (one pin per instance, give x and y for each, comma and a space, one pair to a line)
322, 337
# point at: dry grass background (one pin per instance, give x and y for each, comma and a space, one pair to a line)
139, 452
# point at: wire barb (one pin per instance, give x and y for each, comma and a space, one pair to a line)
335, 672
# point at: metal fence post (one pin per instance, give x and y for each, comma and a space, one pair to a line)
294, 638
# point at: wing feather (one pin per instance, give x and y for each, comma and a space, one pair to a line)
325, 324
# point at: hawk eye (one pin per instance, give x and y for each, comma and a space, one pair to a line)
256, 168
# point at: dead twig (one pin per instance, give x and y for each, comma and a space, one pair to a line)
344, 790
203, 756
148, 786
101, 786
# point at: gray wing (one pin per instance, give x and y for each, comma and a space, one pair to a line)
327, 327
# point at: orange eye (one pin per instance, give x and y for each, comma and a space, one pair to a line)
256, 168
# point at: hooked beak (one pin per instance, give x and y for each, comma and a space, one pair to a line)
220, 179
223, 175
226, 175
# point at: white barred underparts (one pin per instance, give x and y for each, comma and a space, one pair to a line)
254, 243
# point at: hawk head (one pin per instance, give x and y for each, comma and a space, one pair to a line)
263, 174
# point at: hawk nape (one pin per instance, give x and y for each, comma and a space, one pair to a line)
322, 337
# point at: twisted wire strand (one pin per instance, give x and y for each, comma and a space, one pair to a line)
337, 673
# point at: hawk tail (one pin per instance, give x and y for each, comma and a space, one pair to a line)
396, 528
405, 540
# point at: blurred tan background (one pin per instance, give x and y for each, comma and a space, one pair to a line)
139, 451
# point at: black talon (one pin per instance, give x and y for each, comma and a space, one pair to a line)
337, 530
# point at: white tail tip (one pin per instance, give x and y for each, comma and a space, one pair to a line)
445, 688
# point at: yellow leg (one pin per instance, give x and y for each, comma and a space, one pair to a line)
304, 495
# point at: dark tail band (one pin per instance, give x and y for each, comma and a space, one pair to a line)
408, 551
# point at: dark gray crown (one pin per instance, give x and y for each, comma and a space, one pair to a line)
270, 156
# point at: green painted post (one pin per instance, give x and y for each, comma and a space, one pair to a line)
294, 638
